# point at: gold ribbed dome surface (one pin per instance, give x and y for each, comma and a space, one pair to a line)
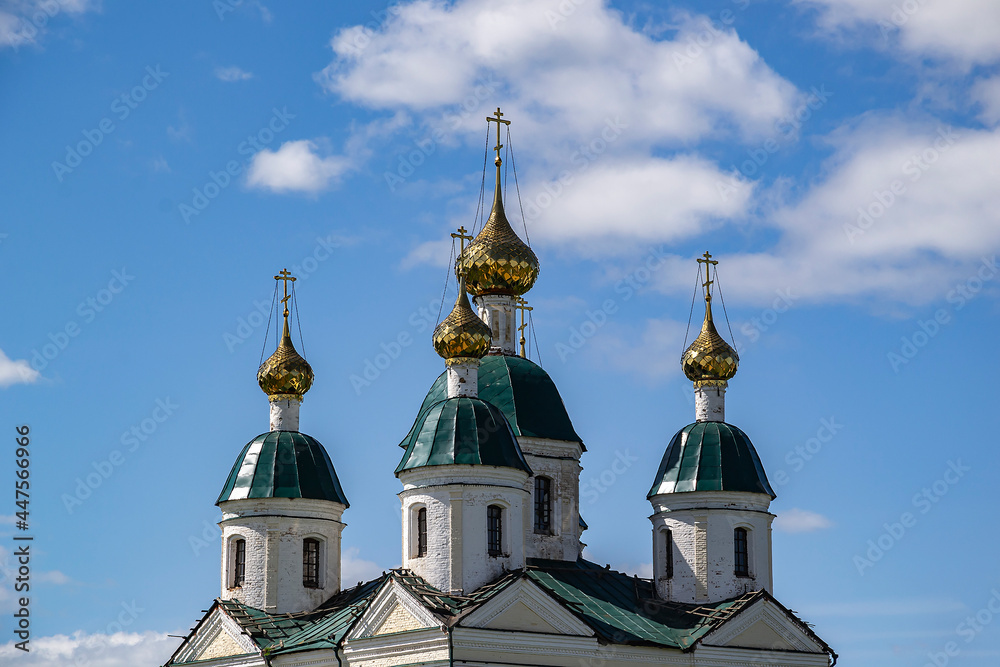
462, 333
709, 358
285, 372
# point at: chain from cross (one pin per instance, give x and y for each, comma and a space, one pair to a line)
708, 281
285, 275
497, 120
521, 304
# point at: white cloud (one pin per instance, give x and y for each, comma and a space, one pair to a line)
650, 353
986, 92
354, 569
562, 80
964, 31
121, 649
798, 520
232, 74
296, 167
16, 372
23, 22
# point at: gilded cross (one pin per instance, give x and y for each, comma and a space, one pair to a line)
285, 275
462, 237
708, 282
497, 120
522, 305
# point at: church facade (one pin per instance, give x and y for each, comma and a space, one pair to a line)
491, 536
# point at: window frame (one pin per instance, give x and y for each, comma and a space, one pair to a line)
308, 563
421, 530
668, 548
239, 550
543, 507
741, 552
494, 531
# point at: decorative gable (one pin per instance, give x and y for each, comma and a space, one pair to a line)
764, 625
524, 607
217, 636
393, 610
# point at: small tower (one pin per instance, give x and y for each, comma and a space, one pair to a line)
498, 265
282, 503
463, 474
710, 497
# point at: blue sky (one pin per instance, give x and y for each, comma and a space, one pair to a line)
164, 160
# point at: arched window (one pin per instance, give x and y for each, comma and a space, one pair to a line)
422, 532
741, 553
310, 563
494, 530
239, 562
668, 546
543, 505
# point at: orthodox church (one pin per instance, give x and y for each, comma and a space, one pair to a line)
492, 566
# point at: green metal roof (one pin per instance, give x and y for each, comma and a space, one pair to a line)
522, 390
283, 464
462, 431
710, 456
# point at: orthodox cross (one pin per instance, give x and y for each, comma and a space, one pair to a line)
522, 305
462, 237
708, 282
497, 120
285, 275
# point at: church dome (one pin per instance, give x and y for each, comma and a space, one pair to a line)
285, 373
710, 456
522, 390
462, 334
462, 431
283, 464
709, 359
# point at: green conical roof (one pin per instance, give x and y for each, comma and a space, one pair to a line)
462, 431
522, 390
710, 456
283, 464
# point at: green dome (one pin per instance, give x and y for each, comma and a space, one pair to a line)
283, 464
462, 431
522, 390
710, 456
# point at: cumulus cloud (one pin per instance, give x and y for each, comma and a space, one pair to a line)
232, 74
986, 93
16, 371
121, 649
798, 520
296, 167
23, 22
964, 31
353, 568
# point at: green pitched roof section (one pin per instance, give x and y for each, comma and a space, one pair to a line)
462, 431
523, 390
623, 609
283, 464
710, 456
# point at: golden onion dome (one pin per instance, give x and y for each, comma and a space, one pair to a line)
709, 360
285, 373
462, 333
498, 261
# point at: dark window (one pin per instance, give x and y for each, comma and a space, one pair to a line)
494, 530
310, 563
668, 540
422, 531
239, 562
543, 505
742, 568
